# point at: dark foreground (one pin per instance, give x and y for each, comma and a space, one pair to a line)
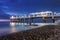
49, 32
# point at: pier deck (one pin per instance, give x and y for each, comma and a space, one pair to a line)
31, 17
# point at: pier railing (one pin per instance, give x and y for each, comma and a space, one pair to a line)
34, 16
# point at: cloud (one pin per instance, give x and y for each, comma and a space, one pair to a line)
19, 7
11, 13
15, 14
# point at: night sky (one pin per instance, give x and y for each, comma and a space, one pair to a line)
18, 7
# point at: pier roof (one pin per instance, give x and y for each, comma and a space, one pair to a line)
41, 12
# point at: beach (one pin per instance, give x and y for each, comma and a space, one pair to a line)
48, 32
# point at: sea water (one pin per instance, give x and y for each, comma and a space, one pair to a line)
10, 27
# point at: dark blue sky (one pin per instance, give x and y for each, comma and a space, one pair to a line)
12, 7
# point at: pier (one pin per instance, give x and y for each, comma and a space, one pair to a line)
44, 15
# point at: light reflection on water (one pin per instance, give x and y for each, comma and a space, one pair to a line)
16, 27
11, 27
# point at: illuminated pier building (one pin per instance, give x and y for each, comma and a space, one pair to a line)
44, 15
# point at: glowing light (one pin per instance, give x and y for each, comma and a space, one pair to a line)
12, 16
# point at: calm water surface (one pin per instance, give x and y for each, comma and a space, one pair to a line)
9, 27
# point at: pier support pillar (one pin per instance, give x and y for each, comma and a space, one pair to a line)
17, 20
24, 20
31, 21
44, 19
12, 20
20, 20
53, 19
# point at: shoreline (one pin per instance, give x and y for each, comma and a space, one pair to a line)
33, 34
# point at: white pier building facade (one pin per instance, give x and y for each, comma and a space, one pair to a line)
44, 15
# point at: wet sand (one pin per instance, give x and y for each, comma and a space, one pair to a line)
48, 32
